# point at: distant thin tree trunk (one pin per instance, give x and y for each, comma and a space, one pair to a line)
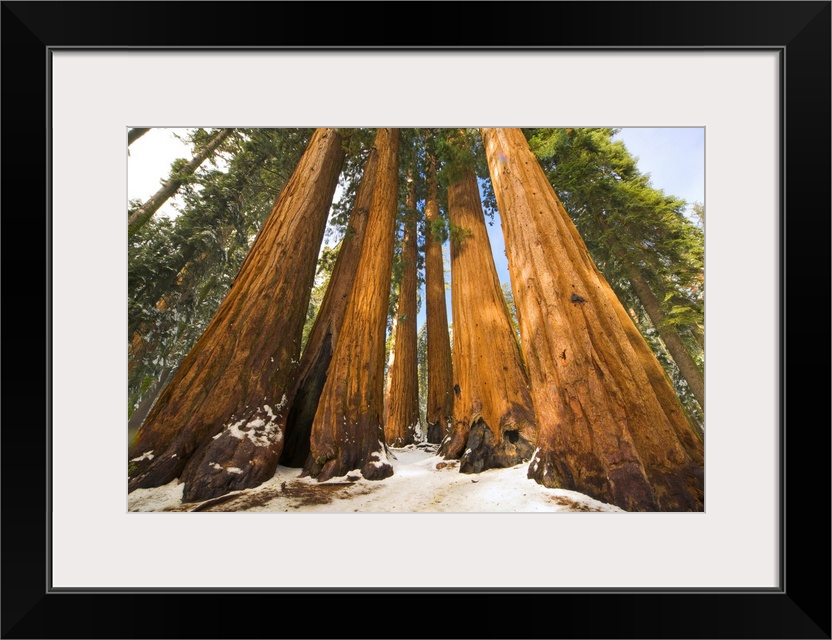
402, 418
149, 397
669, 335
317, 355
216, 426
348, 430
391, 359
140, 216
440, 397
494, 423
135, 134
698, 335
611, 425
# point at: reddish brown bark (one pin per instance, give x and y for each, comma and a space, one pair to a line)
402, 417
610, 424
440, 400
494, 423
317, 355
668, 333
217, 425
348, 431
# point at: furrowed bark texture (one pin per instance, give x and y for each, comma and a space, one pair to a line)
440, 400
494, 422
402, 415
610, 423
348, 430
141, 215
668, 333
218, 425
314, 362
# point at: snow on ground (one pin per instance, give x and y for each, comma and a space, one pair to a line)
417, 486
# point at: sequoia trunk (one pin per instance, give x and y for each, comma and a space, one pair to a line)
402, 417
440, 398
316, 357
610, 423
348, 430
493, 418
218, 424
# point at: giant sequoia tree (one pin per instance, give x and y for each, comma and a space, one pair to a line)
610, 423
440, 400
180, 270
348, 430
215, 426
273, 379
648, 250
402, 414
493, 419
317, 354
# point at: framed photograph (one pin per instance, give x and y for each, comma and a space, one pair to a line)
755, 76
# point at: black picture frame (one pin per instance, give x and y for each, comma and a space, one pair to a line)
799, 608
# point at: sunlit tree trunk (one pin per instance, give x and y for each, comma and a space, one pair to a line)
141, 215
317, 355
440, 398
402, 417
493, 419
391, 358
216, 425
610, 423
652, 305
348, 429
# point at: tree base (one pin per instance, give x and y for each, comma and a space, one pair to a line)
436, 432
147, 471
625, 485
227, 466
374, 466
483, 452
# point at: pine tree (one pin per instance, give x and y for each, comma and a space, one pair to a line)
215, 424
179, 175
610, 424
